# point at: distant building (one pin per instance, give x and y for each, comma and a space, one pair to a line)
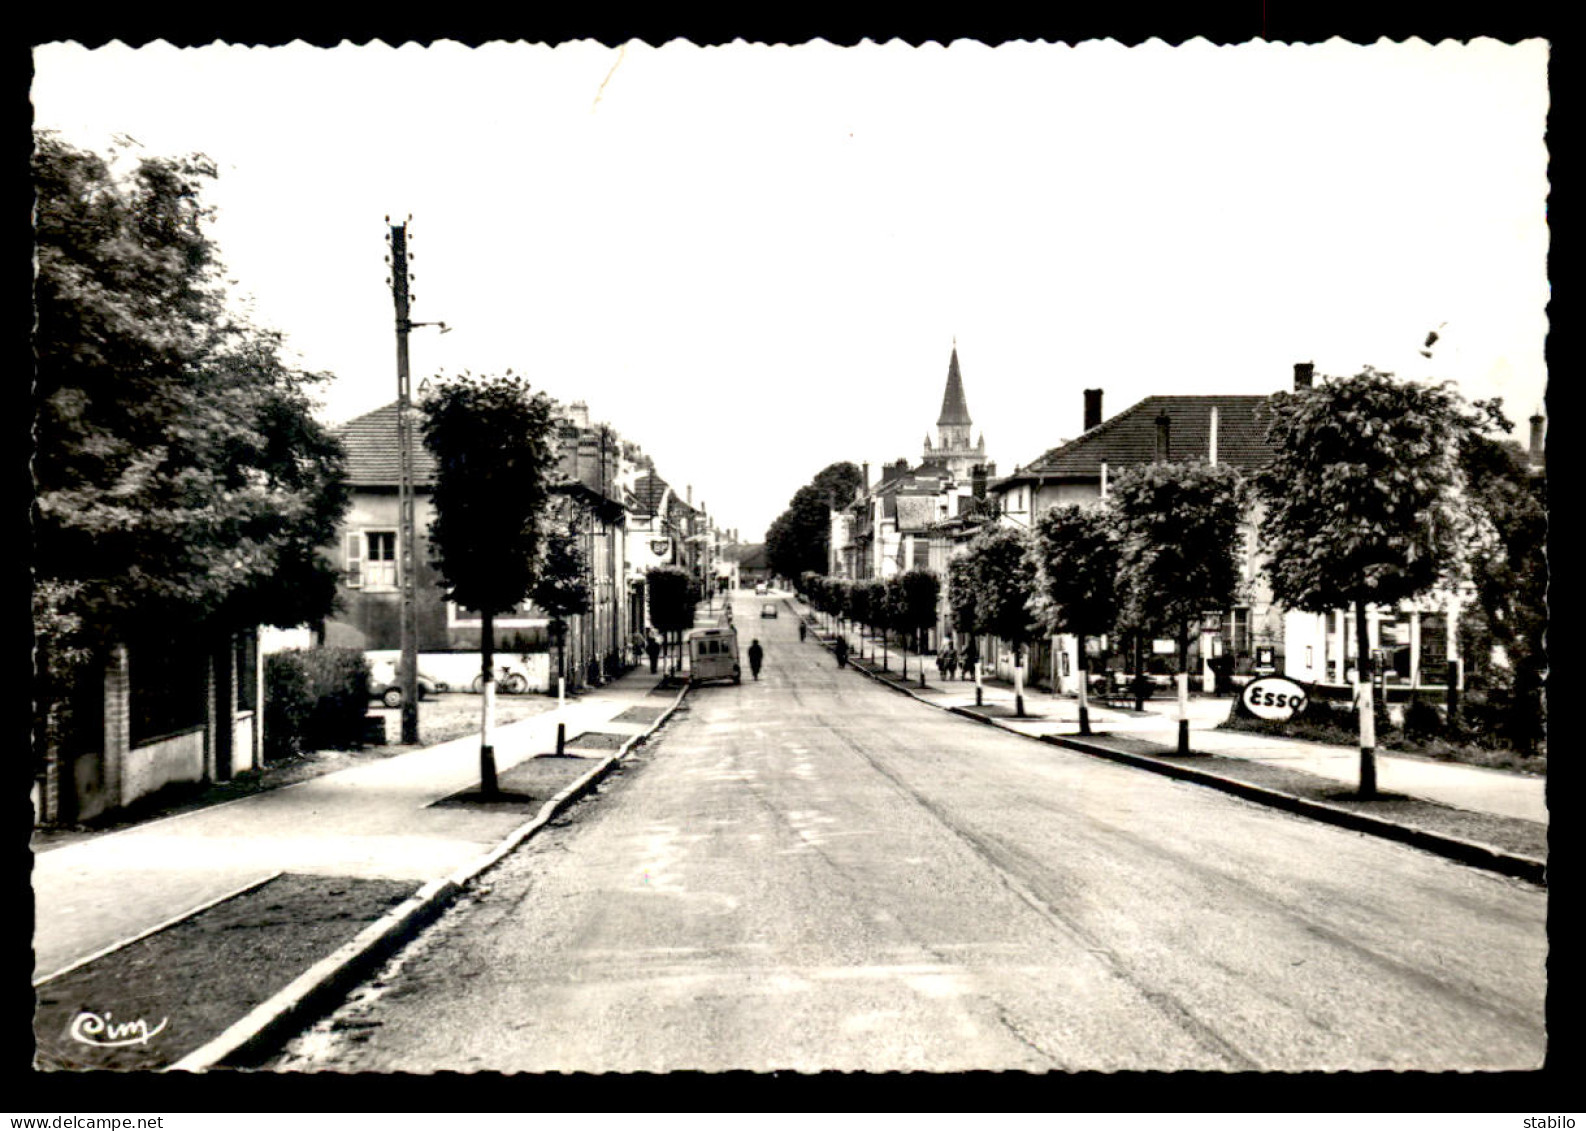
1228, 429
952, 450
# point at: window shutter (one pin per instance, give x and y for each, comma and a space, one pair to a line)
354, 544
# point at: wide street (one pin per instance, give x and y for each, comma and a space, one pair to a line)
814, 872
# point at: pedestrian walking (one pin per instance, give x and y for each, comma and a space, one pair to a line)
802, 630
652, 648
971, 658
841, 648
949, 663
756, 655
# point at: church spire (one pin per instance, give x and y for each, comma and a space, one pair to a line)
954, 409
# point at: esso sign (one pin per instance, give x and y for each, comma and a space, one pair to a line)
1274, 698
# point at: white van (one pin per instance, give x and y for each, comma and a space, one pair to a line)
713, 654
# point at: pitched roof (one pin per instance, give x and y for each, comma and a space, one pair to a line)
649, 489
1130, 437
954, 408
372, 451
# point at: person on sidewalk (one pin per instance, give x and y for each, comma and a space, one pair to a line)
971, 658
949, 663
802, 631
841, 649
756, 655
652, 648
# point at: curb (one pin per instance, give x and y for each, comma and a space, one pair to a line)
1462, 851
1467, 852
320, 988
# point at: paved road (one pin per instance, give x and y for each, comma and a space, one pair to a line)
813, 872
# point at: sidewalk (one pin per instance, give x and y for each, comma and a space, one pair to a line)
1155, 731
375, 821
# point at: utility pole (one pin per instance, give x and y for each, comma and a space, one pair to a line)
407, 671
407, 581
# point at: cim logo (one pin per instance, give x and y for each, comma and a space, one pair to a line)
1274, 698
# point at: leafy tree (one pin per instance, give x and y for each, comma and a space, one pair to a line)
179, 475
563, 587
1179, 551
921, 590
1076, 556
1363, 503
1003, 580
181, 486
672, 601
799, 539
892, 615
491, 439
1503, 634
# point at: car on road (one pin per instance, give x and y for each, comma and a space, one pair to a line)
389, 692
759, 589
713, 654
768, 610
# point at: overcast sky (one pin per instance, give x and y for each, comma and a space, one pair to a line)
754, 261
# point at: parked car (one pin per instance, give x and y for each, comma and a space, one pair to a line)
391, 693
768, 610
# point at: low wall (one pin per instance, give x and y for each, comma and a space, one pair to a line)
175, 758
458, 669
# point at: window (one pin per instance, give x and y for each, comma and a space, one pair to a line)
1241, 631
371, 559
380, 567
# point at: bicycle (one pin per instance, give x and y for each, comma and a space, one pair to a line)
510, 682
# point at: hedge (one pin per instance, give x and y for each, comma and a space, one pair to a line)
315, 699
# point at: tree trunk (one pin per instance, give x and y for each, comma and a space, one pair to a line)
1183, 687
1084, 687
1139, 672
1364, 705
1018, 679
487, 660
923, 642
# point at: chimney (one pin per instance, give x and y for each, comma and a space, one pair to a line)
864, 481
1303, 372
1162, 447
977, 480
1211, 456
689, 496
1092, 408
1538, 459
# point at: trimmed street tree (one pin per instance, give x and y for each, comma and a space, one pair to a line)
1004, 583
961, 588
671, 592
562, 591
491, 439
1076, 557
893, 619
921, 590
1363, 504
1179, 552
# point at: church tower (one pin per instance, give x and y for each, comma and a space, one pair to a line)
953, 449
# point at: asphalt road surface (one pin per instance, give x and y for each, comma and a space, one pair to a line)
813, 872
